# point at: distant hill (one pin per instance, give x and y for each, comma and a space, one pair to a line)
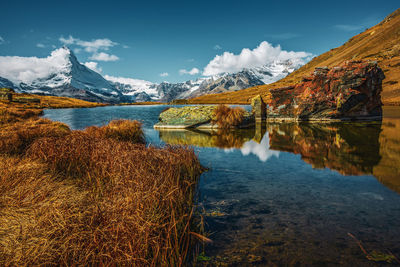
380, 43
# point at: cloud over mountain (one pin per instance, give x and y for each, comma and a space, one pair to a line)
93, 66
190, 72
26, 69
265, 53
94, 46
103, 57
89, 46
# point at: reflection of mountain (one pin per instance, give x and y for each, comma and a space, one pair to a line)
388, 169
350, 149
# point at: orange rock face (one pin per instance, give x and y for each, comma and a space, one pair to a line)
351, 91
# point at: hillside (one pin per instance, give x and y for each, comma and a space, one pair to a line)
380, 43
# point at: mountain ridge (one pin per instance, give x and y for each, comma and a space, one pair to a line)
379, 43
61, 74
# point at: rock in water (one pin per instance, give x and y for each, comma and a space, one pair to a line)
259, 108
195, 117
185, 117
351, 91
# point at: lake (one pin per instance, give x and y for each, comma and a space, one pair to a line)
287, 194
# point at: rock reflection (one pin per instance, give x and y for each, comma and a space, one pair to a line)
388, 169
348, 148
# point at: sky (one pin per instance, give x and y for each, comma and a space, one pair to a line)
180, 40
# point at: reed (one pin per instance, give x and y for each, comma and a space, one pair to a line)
226, 117
122, 130
16, 137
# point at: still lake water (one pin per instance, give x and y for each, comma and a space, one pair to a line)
287, 194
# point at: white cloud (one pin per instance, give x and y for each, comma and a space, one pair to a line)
103, 57
77, 50
26, 69
69, 41
125, 46
261, 150
348, 28
190, 72
92, 46
93, 66
40, 45
2, 40
217, 47
95, 45
164, 74
265, 53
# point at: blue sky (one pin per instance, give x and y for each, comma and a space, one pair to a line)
145, 39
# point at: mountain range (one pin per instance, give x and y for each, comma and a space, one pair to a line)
61, 74
379, 43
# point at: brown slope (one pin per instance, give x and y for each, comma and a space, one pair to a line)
380, 43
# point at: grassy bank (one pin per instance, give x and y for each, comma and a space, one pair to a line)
91, 197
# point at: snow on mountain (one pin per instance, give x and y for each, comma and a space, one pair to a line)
61, 74
58, 74
138, 90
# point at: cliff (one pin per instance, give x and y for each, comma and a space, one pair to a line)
351, 91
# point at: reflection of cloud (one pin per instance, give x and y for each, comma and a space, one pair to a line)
261, 150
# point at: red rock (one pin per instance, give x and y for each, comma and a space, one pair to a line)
351, 91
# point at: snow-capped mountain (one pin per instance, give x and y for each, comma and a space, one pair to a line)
58, 74
61, 74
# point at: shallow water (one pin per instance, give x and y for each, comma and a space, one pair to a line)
287, 194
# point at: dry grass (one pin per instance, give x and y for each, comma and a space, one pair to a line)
226, 117
380, 43
15, 138
122, 130
93, 198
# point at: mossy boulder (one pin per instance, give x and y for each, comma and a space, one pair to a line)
192, 117
188, 116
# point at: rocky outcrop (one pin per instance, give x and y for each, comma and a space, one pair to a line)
351, 91
258, 107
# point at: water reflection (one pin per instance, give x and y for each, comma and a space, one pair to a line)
387, 171
350, 149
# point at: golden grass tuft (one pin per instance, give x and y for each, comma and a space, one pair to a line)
122, 130
226, 117
15, 138
92, 197
84, 198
